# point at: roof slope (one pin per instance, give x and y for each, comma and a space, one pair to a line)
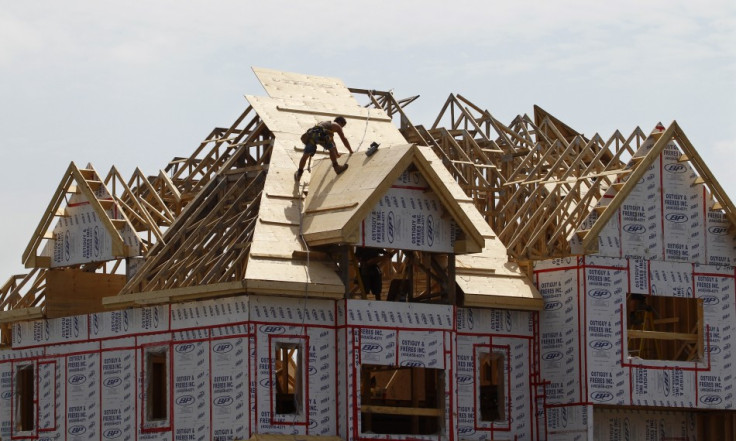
336, 204
197, 255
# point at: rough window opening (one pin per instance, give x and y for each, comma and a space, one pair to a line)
401, 400
492, 386
401, 275
289, 394
664, 328
157, 387
24, 398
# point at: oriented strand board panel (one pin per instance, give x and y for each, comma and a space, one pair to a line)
280, 276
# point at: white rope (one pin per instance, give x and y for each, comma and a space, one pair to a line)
365, 130
306, 294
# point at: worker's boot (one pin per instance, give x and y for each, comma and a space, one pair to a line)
298, 174
340, 168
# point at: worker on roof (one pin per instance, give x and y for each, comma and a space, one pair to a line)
323, 134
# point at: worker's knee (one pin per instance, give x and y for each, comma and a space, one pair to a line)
310, 149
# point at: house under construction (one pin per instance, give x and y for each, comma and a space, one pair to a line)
468, 280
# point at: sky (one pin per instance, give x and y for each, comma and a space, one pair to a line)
136, 83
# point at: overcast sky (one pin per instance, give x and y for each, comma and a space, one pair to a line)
135, 83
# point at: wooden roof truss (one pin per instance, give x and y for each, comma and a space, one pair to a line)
386, 101
87, 182
153, 202
535, 181
634, 171
23, 291
209, 242
149, 203
247, 136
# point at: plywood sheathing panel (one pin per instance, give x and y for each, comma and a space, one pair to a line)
73, 292
293, 278
286, 114
319, 89
563, 130
338, 203
489, 280
271, 268
288, 126
295, 104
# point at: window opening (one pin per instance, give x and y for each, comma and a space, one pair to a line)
401, 400
664, 328
288, 378
492, 386
401, 275
25, 394
157, 387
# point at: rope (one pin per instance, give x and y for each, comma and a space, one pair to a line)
365, 130
306, 293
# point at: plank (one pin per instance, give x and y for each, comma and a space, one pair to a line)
395, 410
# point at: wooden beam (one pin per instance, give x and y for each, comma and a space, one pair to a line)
174, 295
659, 335
394, 410
29, 254
23, 314
347, 115
332, 208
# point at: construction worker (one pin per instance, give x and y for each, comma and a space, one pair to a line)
323, 134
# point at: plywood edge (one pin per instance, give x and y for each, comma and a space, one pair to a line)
503, 302
324, 237
23, 314
347, 113
173, 295
294, 289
